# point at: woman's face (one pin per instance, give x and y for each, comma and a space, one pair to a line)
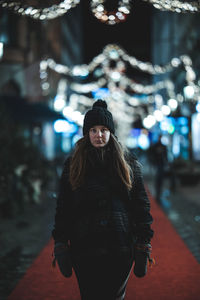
99, 136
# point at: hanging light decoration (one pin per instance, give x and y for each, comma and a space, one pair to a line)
113, 52
98, 9
41, 14
176, 5
115, 78
113, 17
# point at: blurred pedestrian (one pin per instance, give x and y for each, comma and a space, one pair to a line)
159, 160
103, 220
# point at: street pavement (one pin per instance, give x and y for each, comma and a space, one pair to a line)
182, 207
22, 238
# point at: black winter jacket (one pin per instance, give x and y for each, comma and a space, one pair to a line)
102, 216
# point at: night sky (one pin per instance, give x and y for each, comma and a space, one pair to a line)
133, 35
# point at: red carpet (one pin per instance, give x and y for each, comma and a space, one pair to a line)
176, 275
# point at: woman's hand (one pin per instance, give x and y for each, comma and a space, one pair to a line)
63, 259
142, 257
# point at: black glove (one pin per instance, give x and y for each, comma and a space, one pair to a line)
142, 257
62, 256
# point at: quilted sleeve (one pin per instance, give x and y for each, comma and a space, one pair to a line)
140, 204
60, 231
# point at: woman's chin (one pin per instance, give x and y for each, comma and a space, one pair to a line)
99, 145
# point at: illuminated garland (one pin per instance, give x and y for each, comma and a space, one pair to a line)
113, 17
138, 88
114, 52
51, 12
98, 9
124, 82
121, 87
176, 6
88, 87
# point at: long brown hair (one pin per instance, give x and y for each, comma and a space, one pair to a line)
79, 158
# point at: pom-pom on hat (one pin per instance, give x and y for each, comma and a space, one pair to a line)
98, 115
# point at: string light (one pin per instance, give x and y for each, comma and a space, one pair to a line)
172, 103
116, 76
41, 14
124, 83
176, 6
120, 87
113, 17
98, 9
88, 87
114, 52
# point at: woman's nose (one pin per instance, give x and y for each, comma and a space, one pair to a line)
99, 133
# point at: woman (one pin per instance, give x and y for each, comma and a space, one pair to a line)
103, 220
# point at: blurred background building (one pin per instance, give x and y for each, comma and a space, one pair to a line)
57, 57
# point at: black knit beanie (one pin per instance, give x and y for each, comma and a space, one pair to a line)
98, 115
